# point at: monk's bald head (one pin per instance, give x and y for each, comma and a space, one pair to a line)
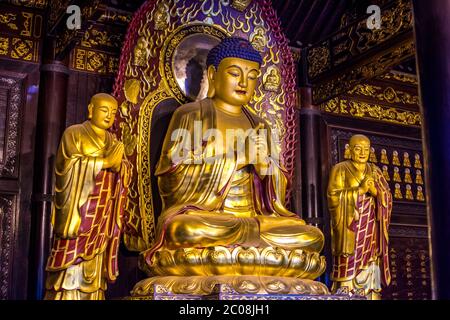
102, 110
357, 139
103, 98
359, 148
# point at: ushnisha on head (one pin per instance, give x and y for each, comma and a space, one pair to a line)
233, 71
102, 110
359, 148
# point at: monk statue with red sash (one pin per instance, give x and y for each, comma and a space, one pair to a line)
360, 204
90, 192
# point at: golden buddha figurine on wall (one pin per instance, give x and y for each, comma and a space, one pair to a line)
90, 192
360, 204
223, 210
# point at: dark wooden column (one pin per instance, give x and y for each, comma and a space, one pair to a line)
313, 197
50, 126
310, 155
432, 30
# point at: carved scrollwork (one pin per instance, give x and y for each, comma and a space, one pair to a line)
6, 241
12, 93
372, 111
319, 60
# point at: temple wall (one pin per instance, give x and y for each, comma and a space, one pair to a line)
389, 117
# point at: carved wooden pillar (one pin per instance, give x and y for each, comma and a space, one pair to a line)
432, 30
50, 126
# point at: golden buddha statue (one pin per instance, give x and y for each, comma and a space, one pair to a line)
272, 81
223, 211
161, 16
90, 192
360, 205
140, 53
240, 5
417, 162
258, 39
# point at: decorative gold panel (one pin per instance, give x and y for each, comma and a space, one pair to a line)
371, 111
20, 32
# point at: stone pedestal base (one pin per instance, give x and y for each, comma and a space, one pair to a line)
232, 288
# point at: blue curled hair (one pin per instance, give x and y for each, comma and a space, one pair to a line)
233, 47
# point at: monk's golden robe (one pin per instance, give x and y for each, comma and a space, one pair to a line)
359, 226
87, 217
220, 202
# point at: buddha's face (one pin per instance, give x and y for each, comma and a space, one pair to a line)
360, 150
102, 112
234, 81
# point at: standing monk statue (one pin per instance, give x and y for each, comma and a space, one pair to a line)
360, 204
90, 193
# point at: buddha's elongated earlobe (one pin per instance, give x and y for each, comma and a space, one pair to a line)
90, 110
211, 90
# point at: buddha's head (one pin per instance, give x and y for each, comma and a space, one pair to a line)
233, 71
359, 148
102, 110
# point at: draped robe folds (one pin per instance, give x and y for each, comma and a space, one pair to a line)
187, 186
87, 216
359, 222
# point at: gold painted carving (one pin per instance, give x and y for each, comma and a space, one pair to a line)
140, 52
359, 109
272, 79
394, 21
23, 49
144, 174
170, 46
4, 46
8, 20
94, 61
388, 94
266, 261
319, 61
331, 88
39, 4
93, 37
240, 5
27, 24
161, 16
259, 39
233, 285
402, 77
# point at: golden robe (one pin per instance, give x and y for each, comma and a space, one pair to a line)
189, 188
359, 223
87, 216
